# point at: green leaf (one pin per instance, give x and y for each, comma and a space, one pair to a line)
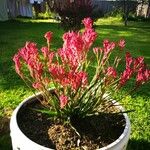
47, 111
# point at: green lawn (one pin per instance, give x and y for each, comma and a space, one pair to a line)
13, 35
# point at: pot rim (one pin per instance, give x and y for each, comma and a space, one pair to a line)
13, 120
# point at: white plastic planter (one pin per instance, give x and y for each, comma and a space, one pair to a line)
22, 142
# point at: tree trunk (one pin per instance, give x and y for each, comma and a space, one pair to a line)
148, 10
141, 9
126, 12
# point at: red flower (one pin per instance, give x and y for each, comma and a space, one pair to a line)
147, 74
138, 63
142, 76
48, 36
125, 76
29, 51
31, 46
108, 46
16, 59
37, 85
95, 50
45, 51
36, 69
50, 57
57, 72
89, 36
88, 23
121, 43
77, 79
129, 60
111, 72
63, 101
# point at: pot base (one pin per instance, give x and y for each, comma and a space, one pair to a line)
25, 116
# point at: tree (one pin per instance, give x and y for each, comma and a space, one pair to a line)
125, 11
147, 15
71, 12
128, 6
148, 10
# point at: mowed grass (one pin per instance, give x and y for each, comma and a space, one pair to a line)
14, 34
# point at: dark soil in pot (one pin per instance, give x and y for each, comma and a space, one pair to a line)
95, 131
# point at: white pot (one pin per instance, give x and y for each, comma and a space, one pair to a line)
22, 142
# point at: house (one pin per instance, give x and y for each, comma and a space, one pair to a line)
102, 7
140, 8
143, 10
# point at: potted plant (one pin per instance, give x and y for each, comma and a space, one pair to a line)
74, 108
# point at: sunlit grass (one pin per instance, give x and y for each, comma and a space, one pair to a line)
110, 20
37, 20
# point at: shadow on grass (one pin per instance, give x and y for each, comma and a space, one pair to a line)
5, 141
138, 145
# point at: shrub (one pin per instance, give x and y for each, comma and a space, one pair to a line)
71, 12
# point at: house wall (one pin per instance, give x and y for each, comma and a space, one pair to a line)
102, 7
143, 10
